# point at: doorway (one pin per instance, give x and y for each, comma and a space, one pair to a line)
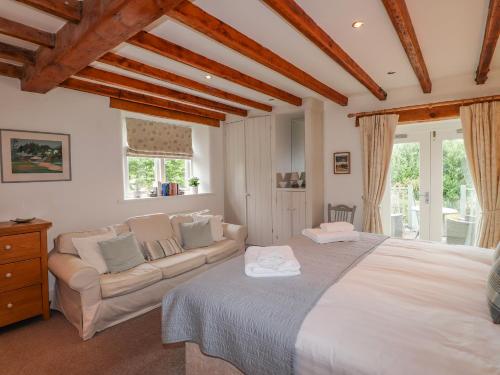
429, 194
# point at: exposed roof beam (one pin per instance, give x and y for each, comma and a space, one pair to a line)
298, 18
10, 70
160, 112
400, 17
153, 72
28, 33
490, 40
124, 81
103, 26
113, 92
175, 52
70, 10
15, 53
196, 18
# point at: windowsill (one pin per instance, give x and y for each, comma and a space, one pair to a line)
163, 197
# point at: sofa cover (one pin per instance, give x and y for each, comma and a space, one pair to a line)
93, 302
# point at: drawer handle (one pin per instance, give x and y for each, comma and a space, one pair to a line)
8, 275
8, 247
10, 305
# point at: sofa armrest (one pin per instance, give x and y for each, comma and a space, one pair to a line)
235, 232
73, 271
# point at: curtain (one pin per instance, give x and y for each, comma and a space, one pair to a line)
481, 126
377, 139
160, 140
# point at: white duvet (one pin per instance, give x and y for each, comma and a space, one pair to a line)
410, 307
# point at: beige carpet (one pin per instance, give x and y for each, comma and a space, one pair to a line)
53, 347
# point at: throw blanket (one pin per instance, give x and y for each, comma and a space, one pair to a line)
253, 323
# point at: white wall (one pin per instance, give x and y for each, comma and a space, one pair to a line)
94, 197
342, 135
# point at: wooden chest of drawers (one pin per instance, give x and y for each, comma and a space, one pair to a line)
24, 290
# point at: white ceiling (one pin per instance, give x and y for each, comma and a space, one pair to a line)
449, 31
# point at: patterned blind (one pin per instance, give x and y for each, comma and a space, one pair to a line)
154, 139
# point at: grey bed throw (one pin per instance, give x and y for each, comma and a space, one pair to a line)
254, 322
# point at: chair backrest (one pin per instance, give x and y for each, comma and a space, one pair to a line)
341, 212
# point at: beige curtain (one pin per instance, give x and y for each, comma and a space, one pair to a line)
481, 126
377, 139
156, 139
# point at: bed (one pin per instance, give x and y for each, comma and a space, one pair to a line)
398, 306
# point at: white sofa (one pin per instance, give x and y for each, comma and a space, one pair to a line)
94, 302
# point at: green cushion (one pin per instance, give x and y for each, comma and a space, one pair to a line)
493, 292
196, 234
121, 253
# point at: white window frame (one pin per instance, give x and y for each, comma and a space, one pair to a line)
159, 170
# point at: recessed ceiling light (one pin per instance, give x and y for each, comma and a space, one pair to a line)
357, 24
391, 73
208, 76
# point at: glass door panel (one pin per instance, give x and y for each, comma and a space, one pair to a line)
456, 211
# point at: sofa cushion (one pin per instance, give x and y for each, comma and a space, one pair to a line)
215, 225
196, 234
116, 284
64, 242
151, 227
90, 252
121, 253
176, 264
176, 221
217, 251
155, 250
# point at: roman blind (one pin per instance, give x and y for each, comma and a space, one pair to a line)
159, 140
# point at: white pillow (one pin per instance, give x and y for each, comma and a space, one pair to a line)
215, 225
89, 251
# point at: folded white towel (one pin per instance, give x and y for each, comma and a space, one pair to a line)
320, 236
340, 226
271, 261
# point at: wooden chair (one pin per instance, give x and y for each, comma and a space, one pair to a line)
341, 212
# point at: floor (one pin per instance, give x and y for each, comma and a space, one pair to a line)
53, 347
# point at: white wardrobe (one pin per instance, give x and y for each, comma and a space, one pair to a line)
248, 177
253, 157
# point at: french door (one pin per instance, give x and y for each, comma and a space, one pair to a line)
429, 193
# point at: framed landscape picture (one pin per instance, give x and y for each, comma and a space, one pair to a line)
29, 156
342, 163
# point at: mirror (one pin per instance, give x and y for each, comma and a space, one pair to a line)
297, 152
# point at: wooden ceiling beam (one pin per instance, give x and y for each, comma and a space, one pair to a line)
400, 18
153, 72
70, 10
15, 53
106, 77
160, 112
201, 21
27, 33
11, 70
103, 26
298, 18
490, 40
175, 52
113, 92
427, 112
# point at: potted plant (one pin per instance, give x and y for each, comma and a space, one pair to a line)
194, 182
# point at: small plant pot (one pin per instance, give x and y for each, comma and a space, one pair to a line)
194, 189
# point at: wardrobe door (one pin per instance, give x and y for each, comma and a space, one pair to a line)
235, 180
298, 208
283, 229
259, 180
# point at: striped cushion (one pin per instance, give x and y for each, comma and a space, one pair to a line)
493, 292
162, 248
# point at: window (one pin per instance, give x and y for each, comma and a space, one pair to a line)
144, 173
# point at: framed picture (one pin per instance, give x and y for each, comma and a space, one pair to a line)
342, 163
29, 156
